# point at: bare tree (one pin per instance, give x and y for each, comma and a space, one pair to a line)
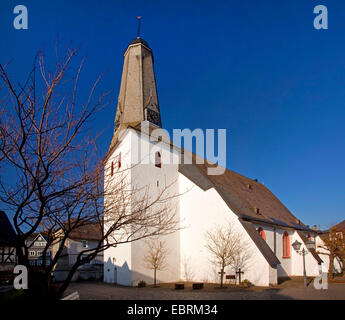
187, 268
227, 248
55, 178
334, 247
156, 256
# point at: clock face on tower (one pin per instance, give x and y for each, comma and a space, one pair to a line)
153, 117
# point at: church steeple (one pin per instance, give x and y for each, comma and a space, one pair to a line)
138, 98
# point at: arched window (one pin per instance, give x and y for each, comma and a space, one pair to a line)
158, 160
286, 245
262, 233
119, 162
112, 168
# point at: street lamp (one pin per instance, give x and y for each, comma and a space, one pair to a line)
297, 246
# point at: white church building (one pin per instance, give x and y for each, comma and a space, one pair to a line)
205, 200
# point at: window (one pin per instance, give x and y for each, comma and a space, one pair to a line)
262, 233
286, 245
38, 253
112, 169
32, 253
84, 243
158, 160
119, 163
339, 235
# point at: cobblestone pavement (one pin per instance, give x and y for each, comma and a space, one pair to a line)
286, 291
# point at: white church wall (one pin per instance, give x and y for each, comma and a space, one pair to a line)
311, 265
201, 211
269, 233
284, 269
156, 179
117, 260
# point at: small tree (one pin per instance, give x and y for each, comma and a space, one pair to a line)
334, 246
187, 268
227, 248
156, 256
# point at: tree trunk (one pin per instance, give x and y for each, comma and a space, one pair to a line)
154, 277
331, 265
68, 280
221, 277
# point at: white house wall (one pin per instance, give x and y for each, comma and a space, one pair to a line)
325, 258
311, 265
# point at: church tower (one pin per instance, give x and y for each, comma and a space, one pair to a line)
138, 99
131, 159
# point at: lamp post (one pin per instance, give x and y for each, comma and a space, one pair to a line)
297, 246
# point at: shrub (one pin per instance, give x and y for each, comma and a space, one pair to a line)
141, 284
246, 283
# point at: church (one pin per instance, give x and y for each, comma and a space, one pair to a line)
268, 228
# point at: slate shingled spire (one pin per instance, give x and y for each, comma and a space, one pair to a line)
138, 98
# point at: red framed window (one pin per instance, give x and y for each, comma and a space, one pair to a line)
286, 245
262, 233
158, 160
112, 168
119, 162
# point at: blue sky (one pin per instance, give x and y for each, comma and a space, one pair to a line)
257, 68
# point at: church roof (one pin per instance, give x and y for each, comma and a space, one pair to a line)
139, 40
138, 98
247, 198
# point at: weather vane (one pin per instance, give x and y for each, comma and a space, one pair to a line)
139, 23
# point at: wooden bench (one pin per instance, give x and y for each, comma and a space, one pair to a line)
179, 286
198, 286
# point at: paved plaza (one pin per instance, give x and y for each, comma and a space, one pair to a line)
289, 290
